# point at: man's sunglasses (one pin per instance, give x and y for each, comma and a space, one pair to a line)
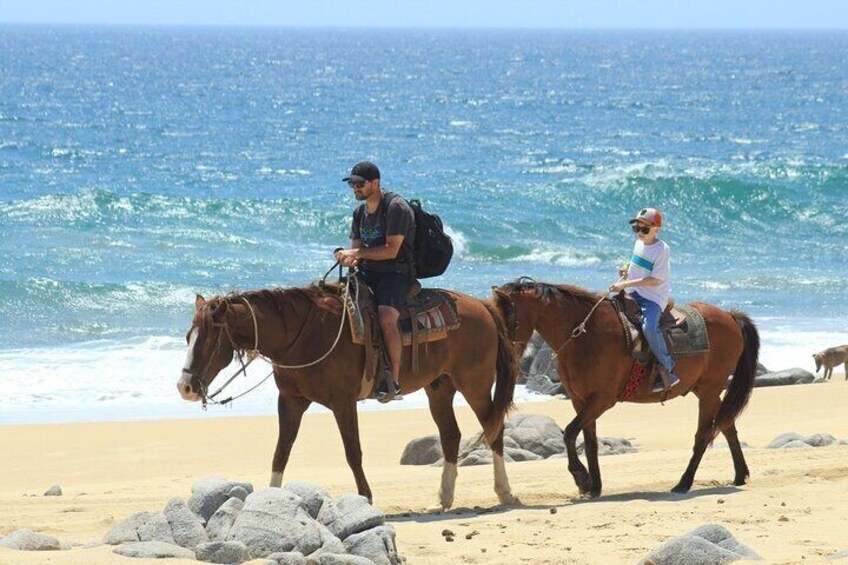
356, 183
641, 229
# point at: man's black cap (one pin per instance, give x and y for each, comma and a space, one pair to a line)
363, 171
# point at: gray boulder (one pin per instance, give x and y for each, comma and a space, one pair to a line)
711, 544
209, 493
793, 440
313, 496
329, 542
27, 540
536, 342
349, 514
377, 544
422, 451
288, 558
544, 364
794, 376
141, 526
219, 525
227, 552
55, 490
541, 384
536, 433
518, 454
338, 559
153, 550
185, 525
275, 520
840, 555
608, 446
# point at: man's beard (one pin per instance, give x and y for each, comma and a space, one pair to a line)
360, 196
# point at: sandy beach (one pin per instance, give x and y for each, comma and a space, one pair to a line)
794, 509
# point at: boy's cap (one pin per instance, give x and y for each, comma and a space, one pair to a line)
650, 216
363, 171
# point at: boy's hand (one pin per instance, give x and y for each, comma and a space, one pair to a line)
617, 286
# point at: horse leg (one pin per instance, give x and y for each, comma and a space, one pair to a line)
441, 408
481, 404
845, 368
590, 446
587, 413
348, 422
739, 466
290, 411
707, 410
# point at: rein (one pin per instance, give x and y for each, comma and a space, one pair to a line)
252, 354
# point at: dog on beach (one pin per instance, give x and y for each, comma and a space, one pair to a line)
830, 358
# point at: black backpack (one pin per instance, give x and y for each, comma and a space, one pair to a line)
433, 248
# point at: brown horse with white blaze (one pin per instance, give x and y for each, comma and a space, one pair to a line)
303, 333
595, 367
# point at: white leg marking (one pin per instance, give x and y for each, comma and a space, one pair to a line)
276, 479
446, 490
502, 488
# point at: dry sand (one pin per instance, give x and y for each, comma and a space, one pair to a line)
794, 510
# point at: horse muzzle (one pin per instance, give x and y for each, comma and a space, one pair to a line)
185, 389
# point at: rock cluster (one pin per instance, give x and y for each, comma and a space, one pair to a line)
527, 437
227, 522
792, 440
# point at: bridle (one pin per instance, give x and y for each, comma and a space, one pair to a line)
578, 330
254, 353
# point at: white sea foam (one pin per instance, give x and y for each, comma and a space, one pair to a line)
562, 257
136, 380
460, 243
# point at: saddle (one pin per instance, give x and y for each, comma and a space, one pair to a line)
683, 328
430, 315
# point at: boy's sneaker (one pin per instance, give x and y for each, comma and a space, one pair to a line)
384, 395
659, 386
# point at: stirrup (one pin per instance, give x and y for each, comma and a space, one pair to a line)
659, 386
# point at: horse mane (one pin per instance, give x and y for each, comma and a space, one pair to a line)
549, 292
325, 297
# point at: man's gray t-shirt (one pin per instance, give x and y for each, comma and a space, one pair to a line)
394, 216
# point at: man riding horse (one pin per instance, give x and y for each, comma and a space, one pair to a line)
382, 234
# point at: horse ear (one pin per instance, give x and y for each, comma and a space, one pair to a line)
498, 294
219, 311
199, 302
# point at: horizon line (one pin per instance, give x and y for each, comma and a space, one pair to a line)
410, 27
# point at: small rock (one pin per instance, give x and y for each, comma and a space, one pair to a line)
783, 519
553, 510
448, 538
55, 490
447, 532
720, 501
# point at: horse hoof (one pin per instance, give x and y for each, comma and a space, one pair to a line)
510, 500
436, 509
680, 489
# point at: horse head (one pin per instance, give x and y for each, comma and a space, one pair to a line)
210, 347
518, 314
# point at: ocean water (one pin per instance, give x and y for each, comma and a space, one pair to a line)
140, 166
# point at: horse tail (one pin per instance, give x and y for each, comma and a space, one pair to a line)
507, 373
739, 391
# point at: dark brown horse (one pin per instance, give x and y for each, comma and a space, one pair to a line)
302, 332
595, 368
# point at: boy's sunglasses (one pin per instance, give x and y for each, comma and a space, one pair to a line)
641, 229
356, 183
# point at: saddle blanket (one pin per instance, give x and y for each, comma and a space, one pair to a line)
434, 312
683, 326
689, 334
